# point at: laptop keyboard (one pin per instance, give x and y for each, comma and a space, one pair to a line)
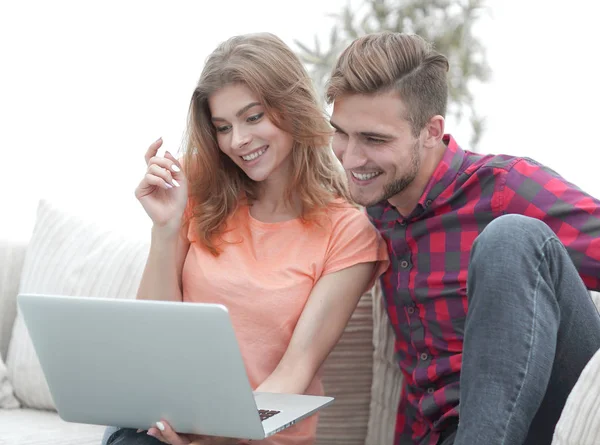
265, 414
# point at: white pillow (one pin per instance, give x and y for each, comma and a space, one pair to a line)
579, 423
12, 256
69, 256
7, 397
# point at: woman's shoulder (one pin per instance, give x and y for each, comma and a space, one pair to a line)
347, 217
340, 208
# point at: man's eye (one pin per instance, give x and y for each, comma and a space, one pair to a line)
375, 140
255, 117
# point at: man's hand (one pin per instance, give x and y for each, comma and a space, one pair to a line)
165, 433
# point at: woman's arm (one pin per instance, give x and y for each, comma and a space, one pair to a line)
328, 309
163, 194
161, 279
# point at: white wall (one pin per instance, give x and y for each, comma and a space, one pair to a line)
544, 98
85, 86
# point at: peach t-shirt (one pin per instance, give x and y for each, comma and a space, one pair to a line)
264, 276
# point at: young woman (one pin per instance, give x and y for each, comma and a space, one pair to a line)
257, 217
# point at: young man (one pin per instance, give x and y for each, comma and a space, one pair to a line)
492, 256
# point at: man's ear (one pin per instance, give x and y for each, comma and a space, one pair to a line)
434, 131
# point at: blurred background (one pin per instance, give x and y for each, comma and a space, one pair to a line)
86, 86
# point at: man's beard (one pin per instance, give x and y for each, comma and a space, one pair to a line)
400, 184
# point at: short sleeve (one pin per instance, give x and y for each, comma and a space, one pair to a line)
354, 240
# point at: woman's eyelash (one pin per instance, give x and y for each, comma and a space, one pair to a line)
251, 119
255, 117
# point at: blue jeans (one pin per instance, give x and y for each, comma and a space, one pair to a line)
530, 330
127, 436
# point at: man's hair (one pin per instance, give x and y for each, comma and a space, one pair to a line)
386, 61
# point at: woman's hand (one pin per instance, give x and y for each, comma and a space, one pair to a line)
163, 191
165, 433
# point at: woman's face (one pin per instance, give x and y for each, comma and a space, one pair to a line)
247, 135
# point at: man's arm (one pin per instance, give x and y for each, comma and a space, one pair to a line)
534, 190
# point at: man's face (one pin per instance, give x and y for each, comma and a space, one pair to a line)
375, 144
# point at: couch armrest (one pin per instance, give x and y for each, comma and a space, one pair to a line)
12, 256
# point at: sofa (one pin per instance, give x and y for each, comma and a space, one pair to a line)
69, 254
73, 254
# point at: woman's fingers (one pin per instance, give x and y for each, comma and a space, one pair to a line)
166, 168
164, 174
153, 149
149, 185
168, 161
168, 164
155, 432
166, 433
175, 162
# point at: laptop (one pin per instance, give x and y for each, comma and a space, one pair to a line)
130, 363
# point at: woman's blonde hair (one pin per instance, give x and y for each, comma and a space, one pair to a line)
269, 68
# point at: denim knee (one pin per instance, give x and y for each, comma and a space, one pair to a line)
512, 231
108, 432
127, 436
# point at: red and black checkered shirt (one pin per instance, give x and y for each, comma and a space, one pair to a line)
425, 286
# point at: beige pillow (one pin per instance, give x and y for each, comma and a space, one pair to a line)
68, 256
347, 376
387, 377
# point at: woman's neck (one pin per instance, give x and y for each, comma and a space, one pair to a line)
272, 203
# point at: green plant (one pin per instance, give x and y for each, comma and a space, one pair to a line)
448, 24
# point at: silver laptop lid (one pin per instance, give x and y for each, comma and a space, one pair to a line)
129, 363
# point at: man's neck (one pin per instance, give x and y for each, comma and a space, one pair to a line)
406, 201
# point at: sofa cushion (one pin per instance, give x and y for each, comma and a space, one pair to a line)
579, 423
71, 256
35, 427
347, 376
12, 255
7, 397
387, 377
68, 256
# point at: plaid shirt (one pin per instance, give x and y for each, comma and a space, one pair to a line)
425, 286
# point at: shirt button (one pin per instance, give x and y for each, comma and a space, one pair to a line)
411, 310
428, 202
424, 356
403, 223
430, 390
404, 264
